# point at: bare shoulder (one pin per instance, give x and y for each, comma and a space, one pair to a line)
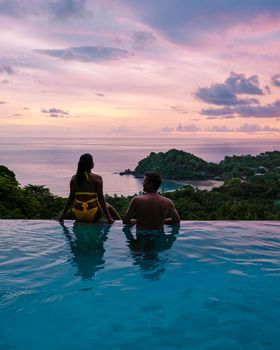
167, 200
136, 200
97, 178
140, 197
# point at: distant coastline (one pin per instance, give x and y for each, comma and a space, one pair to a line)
186, 168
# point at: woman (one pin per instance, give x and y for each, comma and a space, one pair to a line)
86, 191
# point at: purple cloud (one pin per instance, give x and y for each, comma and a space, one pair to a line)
59, 9
142, 39
224, 111
222, 128
221, 94
256, 128
187, 128
189, 22
271, 110
276, 80
86, 53
179, 109
242, 85
56, 113
167, 129
68, 8
7, 70
226, 93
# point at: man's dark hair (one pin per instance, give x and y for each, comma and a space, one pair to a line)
154, 178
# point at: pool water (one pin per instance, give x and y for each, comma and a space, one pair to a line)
212, 285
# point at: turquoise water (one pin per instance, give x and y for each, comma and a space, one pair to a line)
215, 285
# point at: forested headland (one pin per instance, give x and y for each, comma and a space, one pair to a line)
251, 189
180, 165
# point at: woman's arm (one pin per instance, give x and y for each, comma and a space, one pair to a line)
70, 199
130, 214
101, 200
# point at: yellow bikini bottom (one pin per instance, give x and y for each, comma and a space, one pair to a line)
85, 213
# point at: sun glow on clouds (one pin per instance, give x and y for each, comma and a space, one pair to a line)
131, 68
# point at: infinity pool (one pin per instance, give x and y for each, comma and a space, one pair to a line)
213, 285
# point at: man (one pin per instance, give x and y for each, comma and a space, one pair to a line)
151, 210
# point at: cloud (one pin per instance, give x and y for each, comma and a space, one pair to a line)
240, 85
100, 94
222, 128
226, 93
167, 129
4, 69
11, 8
256, 128
224, 111
68, 8
2, 102
179, 109
86, 53
271, 110
245, 128
267, 89
59, 9
56, 113
276, 80
221, 94
187, 128
143, 39
225, 117
137, 68
192, 22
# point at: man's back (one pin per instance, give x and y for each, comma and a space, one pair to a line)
150, 211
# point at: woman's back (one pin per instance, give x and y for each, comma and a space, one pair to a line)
86, 192
92, 183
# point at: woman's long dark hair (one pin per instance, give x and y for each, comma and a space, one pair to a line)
84, 166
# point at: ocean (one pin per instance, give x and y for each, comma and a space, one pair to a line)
52, 161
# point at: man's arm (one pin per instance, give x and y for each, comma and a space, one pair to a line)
101, 200
70, 200
173, 217
130, 214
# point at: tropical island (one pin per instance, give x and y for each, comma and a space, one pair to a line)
251, 189
180, 165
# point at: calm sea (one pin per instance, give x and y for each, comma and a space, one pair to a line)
52, 161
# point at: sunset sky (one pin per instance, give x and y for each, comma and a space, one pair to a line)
127, 68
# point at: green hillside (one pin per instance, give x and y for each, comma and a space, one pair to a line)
175, 164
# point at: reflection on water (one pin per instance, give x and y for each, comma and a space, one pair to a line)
87, 247
217, 287
145, 248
